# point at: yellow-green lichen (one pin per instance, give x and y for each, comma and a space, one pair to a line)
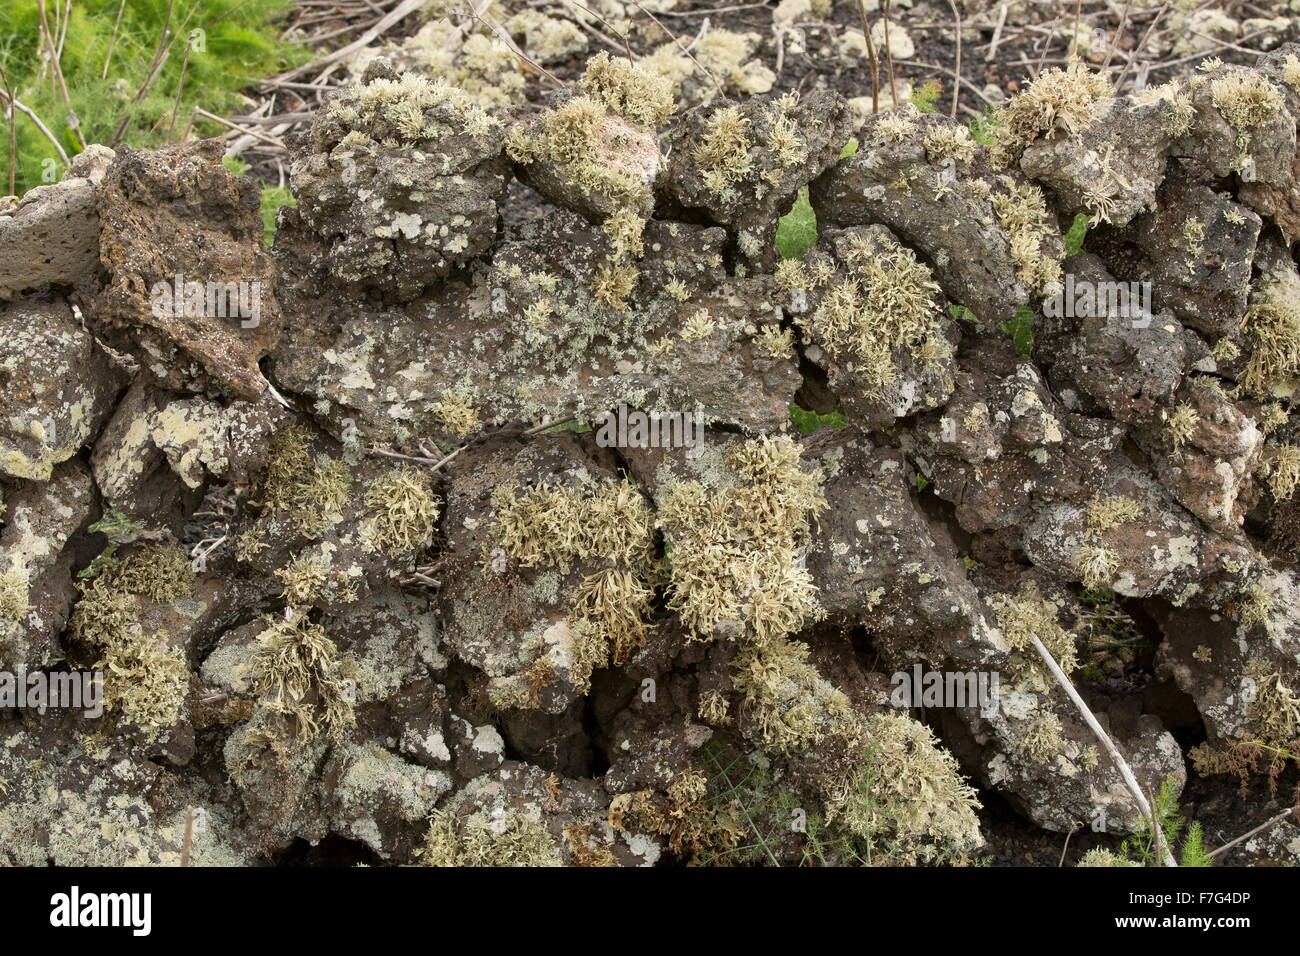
297, 672
1023, 617
887, 301
403, 512
732, 549
511, 838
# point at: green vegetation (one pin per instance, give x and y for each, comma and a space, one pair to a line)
130, 71
1141, 847
806, 422
273, 198
119, 529
797, 230
983, 128
1021, 329
1074, 236
926, 96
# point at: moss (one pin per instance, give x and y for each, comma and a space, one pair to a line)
1058, 101
511, 838
297, 673
403, 512
1027, 615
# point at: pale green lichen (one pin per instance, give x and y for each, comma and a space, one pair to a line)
403, 512
297, 673
1247, 100
1021, 209
722, 153
1095, 565
639, 95
1181, 424
1058, 101
146, 675
887, 301
1281, 469
1029, 615
790, 704
1272, 329
456, 415
303, 578
312, 489
732, 549
911, 800
596, 523
512, 838
14, 604
1041, 740
1107, 513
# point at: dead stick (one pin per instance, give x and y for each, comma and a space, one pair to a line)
889, 55
1258, 830
1127, 774
871, 55
956, 87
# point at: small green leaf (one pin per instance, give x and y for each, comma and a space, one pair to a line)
1021, 329
797, 230
1074, 237
806, 422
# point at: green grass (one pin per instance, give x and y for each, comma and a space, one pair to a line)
239, 43
797, 230
273, 198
